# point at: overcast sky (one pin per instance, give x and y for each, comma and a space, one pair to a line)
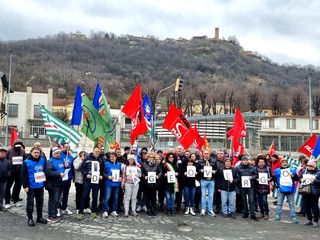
286, 31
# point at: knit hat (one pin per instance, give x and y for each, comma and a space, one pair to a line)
126, 148
312, 164
55, 150
244, 158
283, 159
159, 151
3, 149
130, 156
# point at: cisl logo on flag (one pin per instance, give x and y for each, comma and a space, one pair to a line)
179, 130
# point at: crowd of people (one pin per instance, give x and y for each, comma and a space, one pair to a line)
154, 181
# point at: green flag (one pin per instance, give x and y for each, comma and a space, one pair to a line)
93, 125
59, 130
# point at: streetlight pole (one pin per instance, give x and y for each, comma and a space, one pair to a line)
8, 99
310, 106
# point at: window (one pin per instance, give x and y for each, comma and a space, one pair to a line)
13, 110
271, 123
315, 124
37, 111
37, 128
291, 123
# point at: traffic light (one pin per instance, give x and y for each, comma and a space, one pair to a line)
179, 84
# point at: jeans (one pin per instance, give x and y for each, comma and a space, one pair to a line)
37, 194
290, 198
311, 202
189, 193
55, 194
87, 186
227, 197
244, 192
207, 185
130, 193
170, 199
263, 203
2, 192
114, 190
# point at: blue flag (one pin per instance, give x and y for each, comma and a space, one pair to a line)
316, 150
77, 108
147, 110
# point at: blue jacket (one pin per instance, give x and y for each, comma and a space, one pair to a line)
285, 189
64, 157
109, 168
29, 167
55, 166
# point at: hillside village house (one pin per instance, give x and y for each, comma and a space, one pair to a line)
4, 85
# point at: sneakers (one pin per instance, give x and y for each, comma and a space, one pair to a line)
192, 212
266, 217
31, 223
315, 225
87, 210
225, 216
79, 217
7, 206
114, 214
17, 204
138, 208
144, 208
41, 220
67, 212
246, 215
58, 212
277, 218
203, 212
309, 223
187, 211
134, 213
211, 213
105, 215
51, 219
93, 215
232, 216
294, 220
126, 215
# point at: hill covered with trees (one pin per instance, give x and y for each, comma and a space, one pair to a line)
214, 71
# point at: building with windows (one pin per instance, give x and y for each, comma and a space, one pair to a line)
4, 85
25, 114
288, 132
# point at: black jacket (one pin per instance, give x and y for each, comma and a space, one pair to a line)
224, 184
188, 181
146, 167
85, 168
4, 169
202, 164
24, 172
169, 186
315, 186
245, 170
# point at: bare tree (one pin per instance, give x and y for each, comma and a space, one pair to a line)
277, 102
253, 97
316, 101
299, 102
202, 92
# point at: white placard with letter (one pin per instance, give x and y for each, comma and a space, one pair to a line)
263, 178
171, 177
245, 182
66, 174
227, 174
39, 177
191, 171
152, 177
18, 160
115, 175
95, 172
207, 171
285, 178
307, 178
131, 171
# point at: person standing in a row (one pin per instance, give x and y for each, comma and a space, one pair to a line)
4, 174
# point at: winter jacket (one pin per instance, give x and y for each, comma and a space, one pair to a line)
262, 188
188, 181
169, 186
67, 157
78, 177
16, 152
28, 170
202, 164
85, 168
224, 184
152, 167
110, 166
285, 189
245, 170
315, 186
53, 168
4, 169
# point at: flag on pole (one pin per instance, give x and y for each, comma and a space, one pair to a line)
58, 130
206, 143
133, 109
176, 123
199, 142
316, 151
308, 146
93, 125
236, 149
77, 108
239, 127
137, 158
272, 149
147, 110
14, 136
101, 104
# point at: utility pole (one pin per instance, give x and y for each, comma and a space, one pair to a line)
8, 99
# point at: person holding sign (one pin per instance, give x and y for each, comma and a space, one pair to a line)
130, 182
245, 178
312, 176
284, 179
16, 155
206, 169
151, 172
261, 186
113, 180
55, 172
33, 178
226, 186
4, 174
170, 172
189, 173
89, 183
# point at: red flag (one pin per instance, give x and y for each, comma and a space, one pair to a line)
176, 123
14, 136
115, 145
272, 149
308, 146
239, 127
199, 142
133, 109
206, 143
237, 149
